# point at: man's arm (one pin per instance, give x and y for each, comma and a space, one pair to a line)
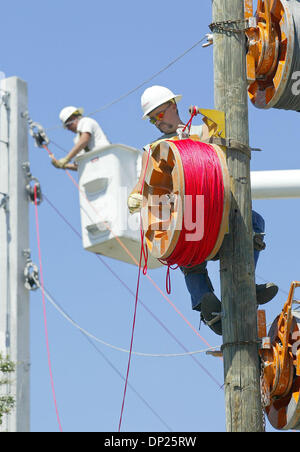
64, 162
205, 132
82, 143
135, 199
138, 187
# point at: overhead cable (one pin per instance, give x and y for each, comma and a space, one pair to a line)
128, 93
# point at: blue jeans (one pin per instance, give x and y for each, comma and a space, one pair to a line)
197, 279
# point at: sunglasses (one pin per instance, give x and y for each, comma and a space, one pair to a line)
159, 116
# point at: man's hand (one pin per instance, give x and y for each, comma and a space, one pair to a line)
61, 163
134, 202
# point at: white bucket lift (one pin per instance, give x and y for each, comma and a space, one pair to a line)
106, 178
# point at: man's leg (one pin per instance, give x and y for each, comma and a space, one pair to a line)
198, 283
202, 296
258, 225
264, 292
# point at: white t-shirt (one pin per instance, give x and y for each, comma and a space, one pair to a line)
98, 138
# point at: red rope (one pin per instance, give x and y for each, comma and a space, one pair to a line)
131, 341
144, 252
189, 123
143, 244
203, 176
44, 307
49, 152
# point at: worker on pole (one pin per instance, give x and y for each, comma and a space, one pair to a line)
159, 105
89, 136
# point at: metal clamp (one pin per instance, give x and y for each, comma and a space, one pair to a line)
240, 343
232, 144
36, 131
225, 26
4, 200
31, 273
34, 191
4, 98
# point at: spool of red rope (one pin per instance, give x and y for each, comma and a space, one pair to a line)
203, 177
193, 176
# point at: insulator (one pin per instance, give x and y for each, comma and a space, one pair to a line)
273, 58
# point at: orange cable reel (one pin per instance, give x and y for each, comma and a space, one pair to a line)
273, 59
280, 357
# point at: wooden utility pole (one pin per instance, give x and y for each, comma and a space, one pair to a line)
14, 240
239, 323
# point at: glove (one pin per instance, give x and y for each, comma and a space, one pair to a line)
134, 202
61, 163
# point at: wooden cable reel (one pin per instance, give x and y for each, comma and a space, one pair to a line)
164, 199
281, 368
273, 57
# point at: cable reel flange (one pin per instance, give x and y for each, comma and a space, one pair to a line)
163, 197
273, 55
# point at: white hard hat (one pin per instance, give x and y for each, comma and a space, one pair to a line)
155, 96
66, 112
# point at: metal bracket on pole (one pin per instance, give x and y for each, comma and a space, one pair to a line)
233, 144
31, 273
31, 189
4, 98
214, 119
216, 123
37, 131
4, 201
233, 26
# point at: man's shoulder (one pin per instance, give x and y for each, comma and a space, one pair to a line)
87, 122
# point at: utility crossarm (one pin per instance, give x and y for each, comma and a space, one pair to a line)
279, 184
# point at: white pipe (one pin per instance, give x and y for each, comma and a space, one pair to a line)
275, 184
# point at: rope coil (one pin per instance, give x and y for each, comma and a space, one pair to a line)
203, 177
196, 174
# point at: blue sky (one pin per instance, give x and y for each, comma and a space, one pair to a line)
88, 54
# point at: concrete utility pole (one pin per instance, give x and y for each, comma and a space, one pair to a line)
239, 323
14, 239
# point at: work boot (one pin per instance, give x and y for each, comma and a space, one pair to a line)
265, 292
211, 312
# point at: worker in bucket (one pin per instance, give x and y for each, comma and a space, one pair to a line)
159, 105
89, 136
